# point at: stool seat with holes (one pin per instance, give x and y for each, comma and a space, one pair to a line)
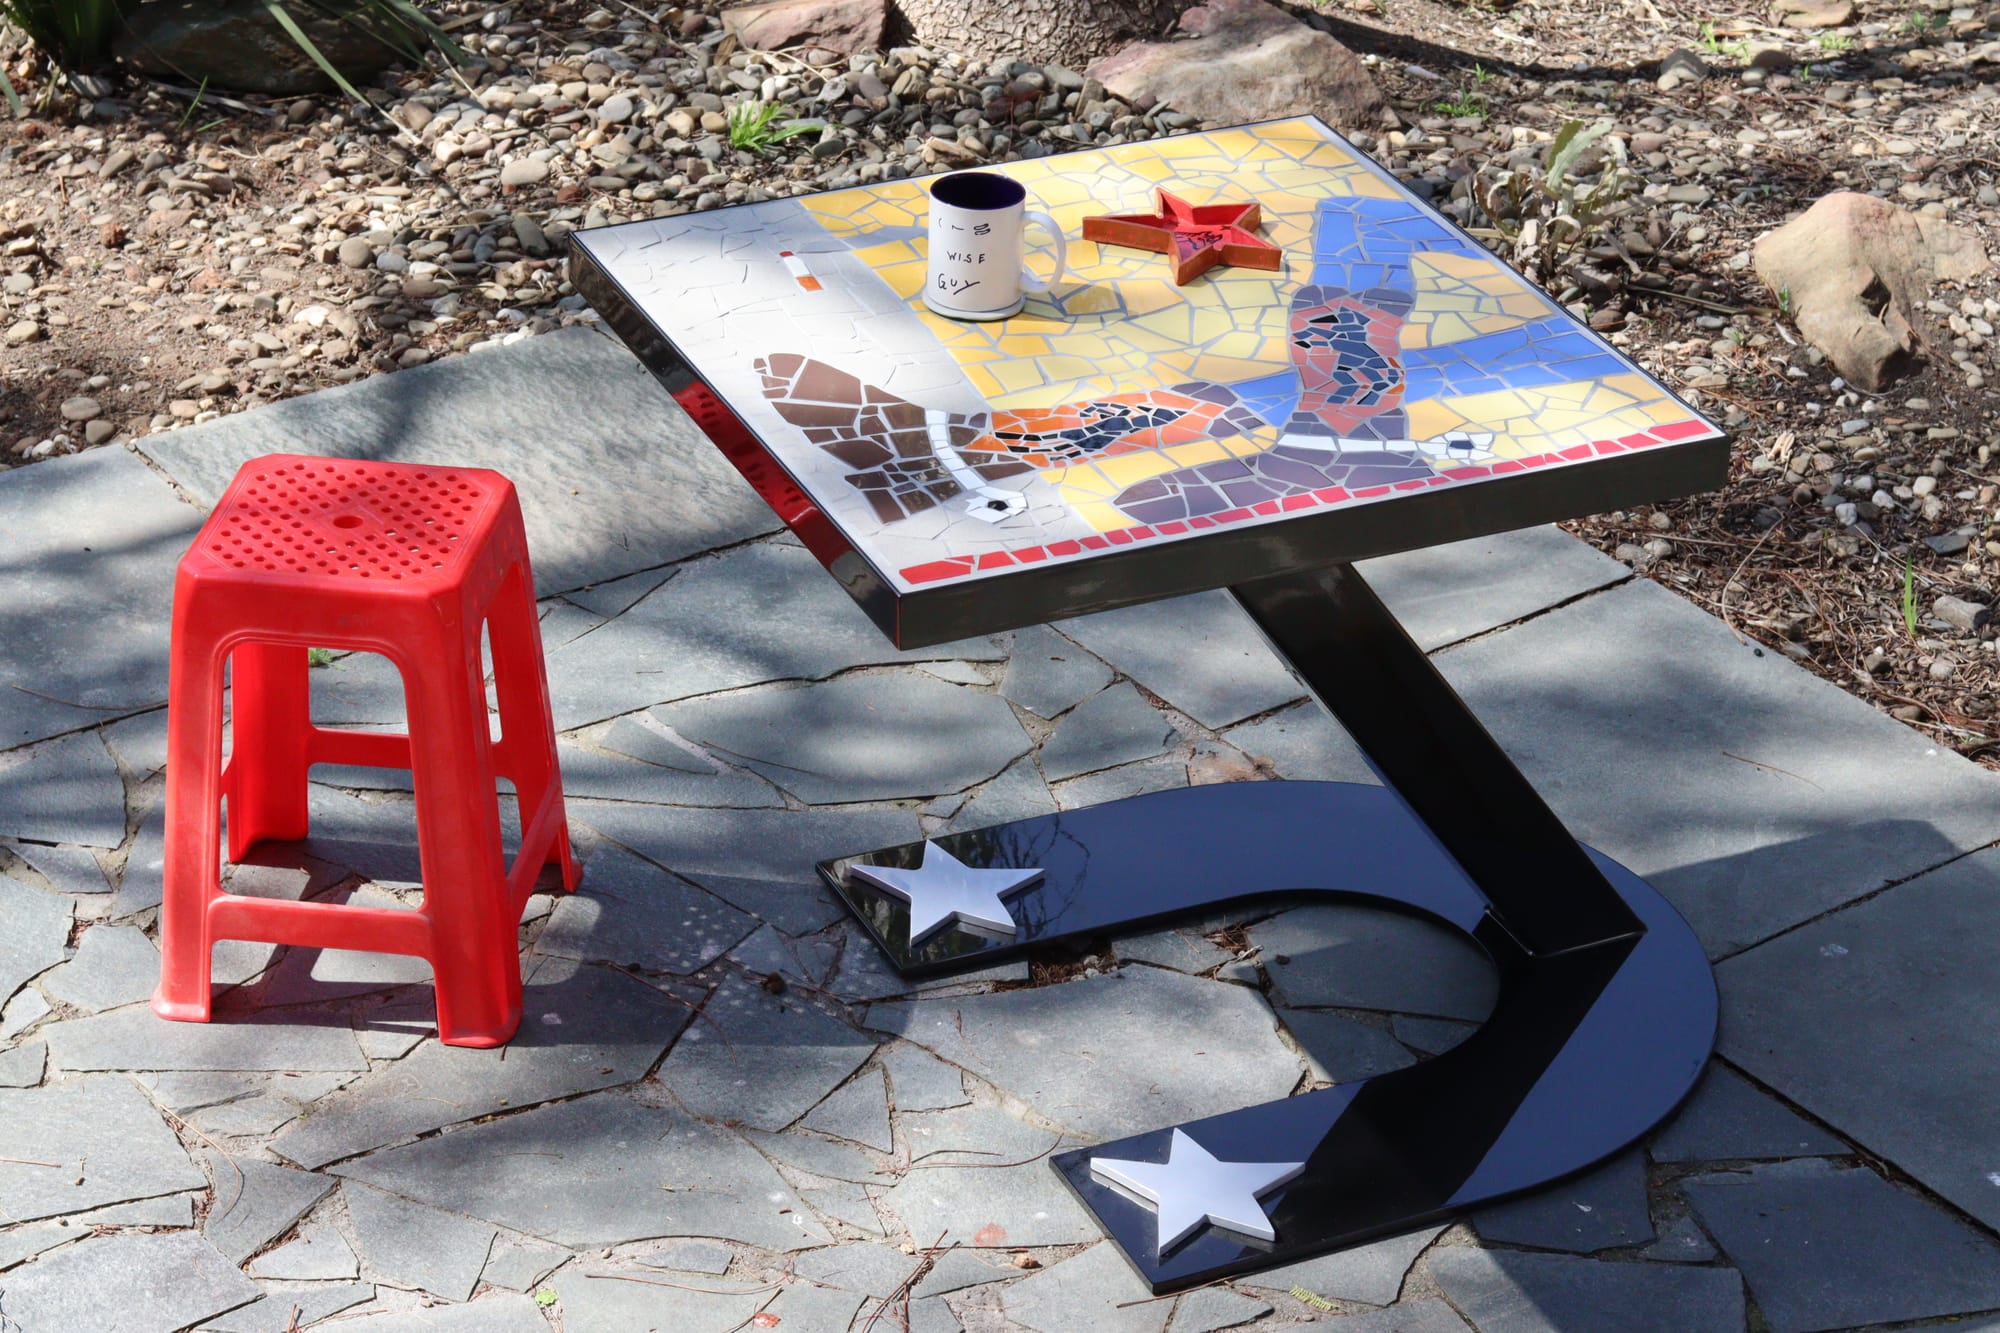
412, 563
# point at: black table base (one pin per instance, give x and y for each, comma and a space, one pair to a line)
1606, 1010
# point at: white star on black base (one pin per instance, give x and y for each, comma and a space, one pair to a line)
1191, 1188
944, 891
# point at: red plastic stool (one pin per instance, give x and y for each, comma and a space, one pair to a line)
388, 558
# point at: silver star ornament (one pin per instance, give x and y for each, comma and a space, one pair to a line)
1192, 1187
944, 890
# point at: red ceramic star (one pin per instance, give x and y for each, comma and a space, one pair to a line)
1195, 237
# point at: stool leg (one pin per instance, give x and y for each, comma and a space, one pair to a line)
267, 768
474, 927
527, 726
194, 836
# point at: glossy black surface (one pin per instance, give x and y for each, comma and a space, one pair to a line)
1606, 1009
1586, 1049
1364, 669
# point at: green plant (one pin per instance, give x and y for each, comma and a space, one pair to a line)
319, 657
1481, 75
1465, 104
1910, 596
70, 33
1785, 301
398, 23
1551, 214
1918, 23
1833, 41
1715, 46
753, 127
546, 1297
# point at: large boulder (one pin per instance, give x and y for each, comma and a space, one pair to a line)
1249, 61
236, 46
845, 26
1853, 270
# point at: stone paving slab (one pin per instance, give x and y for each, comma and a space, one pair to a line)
85, 638
1371, 1274
135, 1038
758, 860
1752, 794
1726, 1118
1048, 675
760, 1059
631, 912
1827, 1247
108, 1140
1512, 1291
594, 774
1410, 1317
1116, 726
597, 1298
1443, 594
171, 1210
599, 1170
582, 1028
113, 966
1340, 1049
67, 869
256, 1202
127, 1284
694, 637
320, 1254
22, 1067
64, 790
519, 1263
1096, 1289
36, 934
273, 1312
1605, 1208
632, 484
1111, 1034
495, 1312
1232, 677
1022, 1205
1874, 1019
871, 736
1354, 957
410, 1244
858, 1112
1215, 1307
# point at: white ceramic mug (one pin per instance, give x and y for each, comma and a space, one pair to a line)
977, 237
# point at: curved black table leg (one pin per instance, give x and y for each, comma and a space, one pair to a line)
1606, 1009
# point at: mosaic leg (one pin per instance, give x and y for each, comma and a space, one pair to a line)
1606, 1010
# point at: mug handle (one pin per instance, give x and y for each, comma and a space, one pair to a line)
1031, 283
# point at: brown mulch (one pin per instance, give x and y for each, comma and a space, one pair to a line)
156, 302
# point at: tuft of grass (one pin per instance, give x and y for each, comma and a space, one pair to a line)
1715, 46
1918, 23
71, 33
398, 23
1467, 103
753, 127
1910, 596
1833, 41
319, 657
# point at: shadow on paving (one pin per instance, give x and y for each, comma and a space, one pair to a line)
88, 546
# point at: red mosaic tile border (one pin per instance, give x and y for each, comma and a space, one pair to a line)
939, 571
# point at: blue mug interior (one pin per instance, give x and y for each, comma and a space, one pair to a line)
979, 190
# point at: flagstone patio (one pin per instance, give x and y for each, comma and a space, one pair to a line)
722, 1107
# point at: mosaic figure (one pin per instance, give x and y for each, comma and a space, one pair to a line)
1342, 424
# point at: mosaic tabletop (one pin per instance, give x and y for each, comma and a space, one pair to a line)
1390, 355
